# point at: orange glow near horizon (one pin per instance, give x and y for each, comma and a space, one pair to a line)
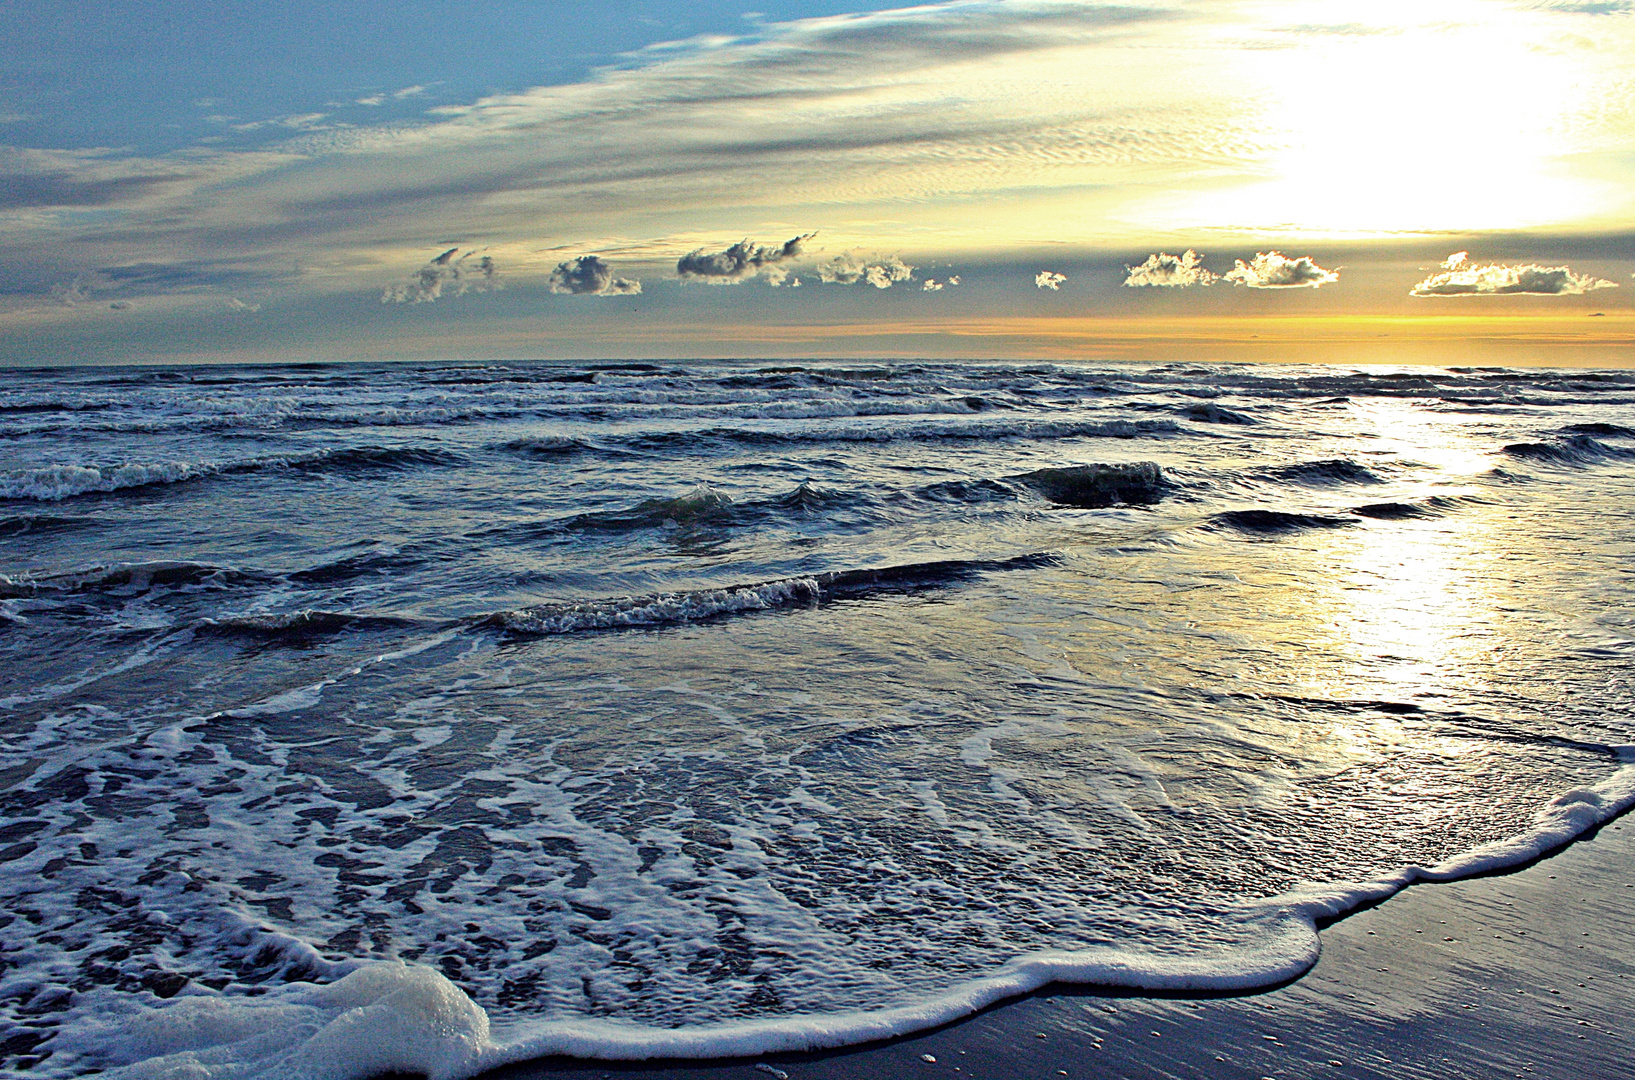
1566, 339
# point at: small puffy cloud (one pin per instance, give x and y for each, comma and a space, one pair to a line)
1049, 279
740, 262
69, 293
1171, 271
588, 275
468, 273
1272, 270
849, 270
1461, 277
933, 285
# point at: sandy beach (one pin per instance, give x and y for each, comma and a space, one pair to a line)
1523, 974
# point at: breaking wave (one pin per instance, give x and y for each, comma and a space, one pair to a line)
53, 483
702, 605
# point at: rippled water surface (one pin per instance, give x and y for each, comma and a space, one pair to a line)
686, 695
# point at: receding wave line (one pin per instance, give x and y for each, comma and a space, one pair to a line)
702, 605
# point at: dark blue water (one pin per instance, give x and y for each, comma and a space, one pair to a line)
706, 697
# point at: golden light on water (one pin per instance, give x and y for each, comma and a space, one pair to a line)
1412, 603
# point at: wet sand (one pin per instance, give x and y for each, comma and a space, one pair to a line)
1524, 974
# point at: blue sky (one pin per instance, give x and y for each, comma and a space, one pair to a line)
228, 181
161, 77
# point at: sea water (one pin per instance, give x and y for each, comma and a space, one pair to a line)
425, 717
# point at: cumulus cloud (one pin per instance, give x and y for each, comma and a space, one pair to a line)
1272, 270
1171, 271
933, 285
741, 261
468, 273
849, 270
1049, 279
1461, 277
69, 293
588, 275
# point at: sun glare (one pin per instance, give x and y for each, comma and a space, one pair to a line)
1436, 118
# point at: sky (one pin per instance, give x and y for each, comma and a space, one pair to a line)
1443, 181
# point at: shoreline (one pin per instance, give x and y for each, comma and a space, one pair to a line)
1525, 971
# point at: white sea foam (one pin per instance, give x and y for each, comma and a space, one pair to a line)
54, 483
388, 1016
664, 609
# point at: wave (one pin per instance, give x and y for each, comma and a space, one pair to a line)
54, 483
1015, 429
54, 406
1271, 522
130, 578
1328, 471
1614, 430
547, 445
354, 566
698, 505
23, 524
1210, 413
356, 459
703, 605
1572, 450
705, 506
299, 626
1433, 507
1095, 486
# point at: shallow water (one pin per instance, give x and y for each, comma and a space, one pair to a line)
724, 695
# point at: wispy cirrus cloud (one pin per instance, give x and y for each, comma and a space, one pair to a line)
741, 261
588, 275
1274, 270
1461, 277
1163, 270
467, 273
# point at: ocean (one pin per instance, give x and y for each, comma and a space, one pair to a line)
432, 716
